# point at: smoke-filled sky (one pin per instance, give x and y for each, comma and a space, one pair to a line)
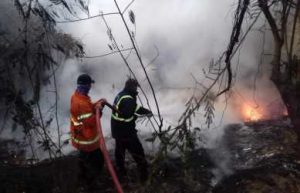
188, 34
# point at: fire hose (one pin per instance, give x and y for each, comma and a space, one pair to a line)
105, 152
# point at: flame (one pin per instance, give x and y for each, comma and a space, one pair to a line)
251, 114
285, 112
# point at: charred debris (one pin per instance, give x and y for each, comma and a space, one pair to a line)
261, 157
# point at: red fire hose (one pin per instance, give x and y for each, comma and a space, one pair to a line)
105, 152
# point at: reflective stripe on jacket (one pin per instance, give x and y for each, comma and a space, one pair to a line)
123, 124
118, 117
86, 142
84, 134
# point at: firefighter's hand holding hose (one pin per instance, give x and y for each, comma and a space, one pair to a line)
103, 102
100, 104
149, 115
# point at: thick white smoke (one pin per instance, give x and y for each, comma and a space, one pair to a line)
187, 34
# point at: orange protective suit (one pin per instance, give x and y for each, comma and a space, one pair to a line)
84, 134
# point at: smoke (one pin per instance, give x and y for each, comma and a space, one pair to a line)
188, 35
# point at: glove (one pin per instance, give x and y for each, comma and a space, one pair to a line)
149, 114
77, 131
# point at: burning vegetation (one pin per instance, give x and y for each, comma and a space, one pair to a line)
254, 113
251, 114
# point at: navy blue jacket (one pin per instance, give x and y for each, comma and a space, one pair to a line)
123, 124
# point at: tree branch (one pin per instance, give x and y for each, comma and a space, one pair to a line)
127, 64
239, 17
142, 64
91, 17
107, 54
263, 4
293, 30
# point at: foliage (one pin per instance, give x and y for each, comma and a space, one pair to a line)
31, 51
209, 111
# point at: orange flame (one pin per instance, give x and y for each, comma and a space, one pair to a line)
285, 112
251, 114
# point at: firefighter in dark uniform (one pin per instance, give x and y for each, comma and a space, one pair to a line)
124, 131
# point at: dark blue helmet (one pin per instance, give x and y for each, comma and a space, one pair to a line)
84, 79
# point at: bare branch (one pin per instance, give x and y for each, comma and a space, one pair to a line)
263, 4
155, 57
142, 64
239, 17
91, 17
128, 66
127, 6
107, 54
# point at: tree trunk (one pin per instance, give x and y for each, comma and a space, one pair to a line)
276, 75
290, 95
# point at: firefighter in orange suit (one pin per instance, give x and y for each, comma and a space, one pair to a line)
84, 133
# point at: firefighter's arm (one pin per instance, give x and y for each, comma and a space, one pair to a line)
100, 105
143, 111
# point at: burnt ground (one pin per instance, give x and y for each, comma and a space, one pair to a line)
262, 157
265, 159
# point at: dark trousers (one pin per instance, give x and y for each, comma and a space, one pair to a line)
91, 164
135, 148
